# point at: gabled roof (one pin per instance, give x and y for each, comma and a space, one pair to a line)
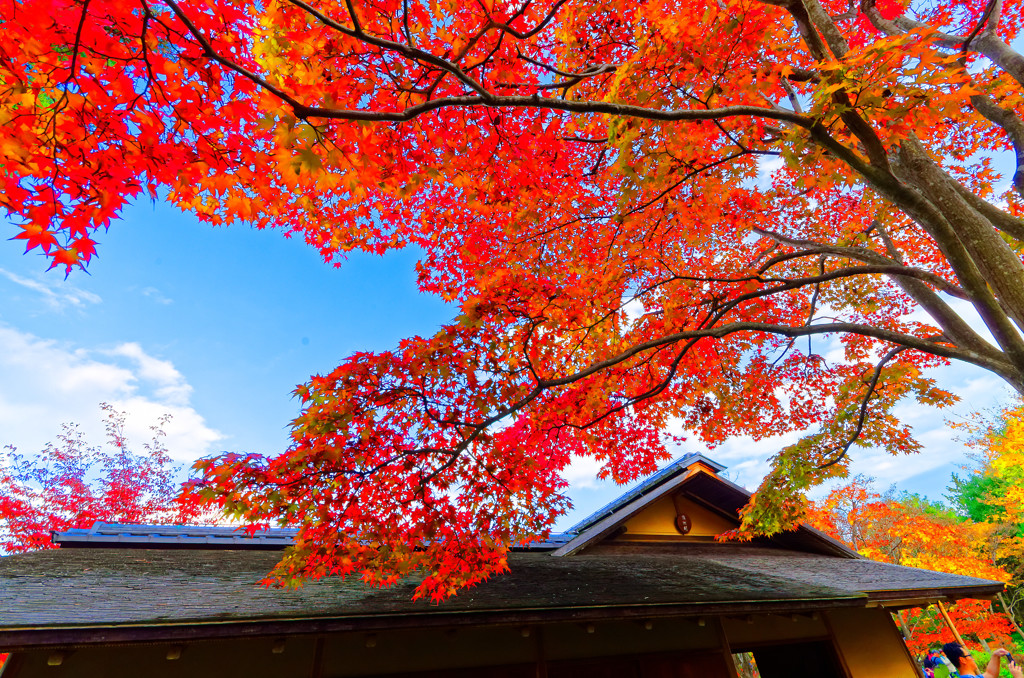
699, 478
649, 484
693, 474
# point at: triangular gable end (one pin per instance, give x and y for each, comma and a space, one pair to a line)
688, 501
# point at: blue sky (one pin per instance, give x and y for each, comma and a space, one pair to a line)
217, 326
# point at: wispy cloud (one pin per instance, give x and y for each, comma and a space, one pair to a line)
57, 294
156, 295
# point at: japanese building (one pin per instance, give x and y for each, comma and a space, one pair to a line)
640, 588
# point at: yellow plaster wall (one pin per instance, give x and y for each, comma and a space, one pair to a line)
870, 644
658, 520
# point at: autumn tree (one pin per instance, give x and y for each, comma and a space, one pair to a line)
744, 216
71, 484
907, 529
991, 491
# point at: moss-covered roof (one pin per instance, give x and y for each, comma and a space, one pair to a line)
99, 594
83, 590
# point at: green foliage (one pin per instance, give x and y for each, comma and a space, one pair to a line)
920, 504
971, 496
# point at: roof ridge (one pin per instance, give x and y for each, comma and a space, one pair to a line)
139, 535
144, 535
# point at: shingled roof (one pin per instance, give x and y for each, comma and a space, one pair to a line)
108, 595
92, 595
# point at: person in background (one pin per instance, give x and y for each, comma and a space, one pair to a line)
965, 665
931, 660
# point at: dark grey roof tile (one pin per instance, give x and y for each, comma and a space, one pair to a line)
90, 587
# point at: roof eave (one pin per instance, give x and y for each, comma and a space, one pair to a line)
914, 597
28, 638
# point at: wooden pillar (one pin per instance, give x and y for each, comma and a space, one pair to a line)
723, 642
949, 623
317, 670
541, 659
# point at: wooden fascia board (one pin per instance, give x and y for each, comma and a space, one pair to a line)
731, 485
606, 526
832, 544
892, 598
15, 639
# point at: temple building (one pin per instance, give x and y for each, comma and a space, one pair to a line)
640, 588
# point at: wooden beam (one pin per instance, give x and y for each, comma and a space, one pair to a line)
893, 605
723, 643
949, 623
18, 639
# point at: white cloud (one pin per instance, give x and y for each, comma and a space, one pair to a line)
766, 167
57, 294
634, 309
746, 459
943, 448
171, 386
582, 473
44, 383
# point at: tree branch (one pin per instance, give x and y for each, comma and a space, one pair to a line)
405, 50
718, 332
830, 32
863, 413
1010, 122
881, 263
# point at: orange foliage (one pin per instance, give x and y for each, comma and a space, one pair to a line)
911, 532
646, 211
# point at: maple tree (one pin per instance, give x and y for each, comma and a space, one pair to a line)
71, 484
912, 531
646, 210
